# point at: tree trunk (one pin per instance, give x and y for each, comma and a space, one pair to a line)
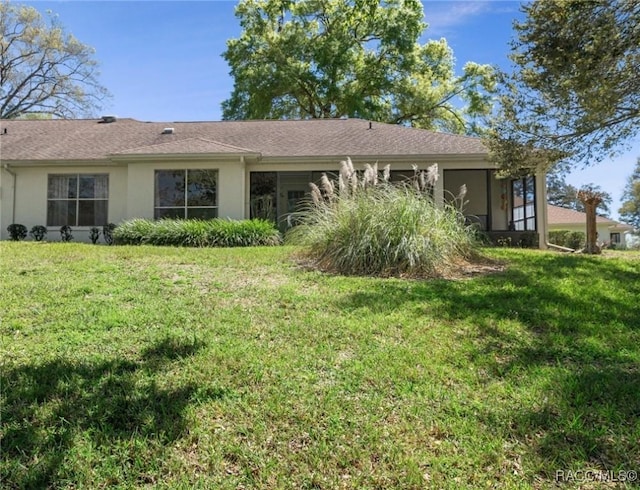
591, 246
590, 199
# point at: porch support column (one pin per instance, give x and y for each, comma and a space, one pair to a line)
247, 188
541, 209
438, 189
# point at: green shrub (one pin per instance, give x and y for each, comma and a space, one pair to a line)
384, 230
17, 232
197, 233
38, 232
107, 233
567, 238
66, 234
576, 240
94, 234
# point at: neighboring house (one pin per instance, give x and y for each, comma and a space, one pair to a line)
88, 173
609, 231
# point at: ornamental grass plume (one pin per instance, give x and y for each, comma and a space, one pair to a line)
384, 229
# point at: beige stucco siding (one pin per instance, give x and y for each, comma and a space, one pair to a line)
31, 196
231, 185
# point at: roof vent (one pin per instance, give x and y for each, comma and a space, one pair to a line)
108, 119
168, 131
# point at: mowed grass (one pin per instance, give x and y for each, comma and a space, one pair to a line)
144, 367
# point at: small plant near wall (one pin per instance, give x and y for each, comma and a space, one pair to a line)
65, 233
17, 232
94, 234
107, 233
38, 233
504, 241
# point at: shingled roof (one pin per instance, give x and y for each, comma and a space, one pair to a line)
557, 215
92, 139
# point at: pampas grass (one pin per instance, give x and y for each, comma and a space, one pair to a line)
385, 230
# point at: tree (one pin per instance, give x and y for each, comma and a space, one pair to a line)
356, 58
630, 209
560, 193
43, 70
574, 93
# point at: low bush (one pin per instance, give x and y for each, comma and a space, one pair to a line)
383, 229
66, 234
94, 234
38, 233
567, 238
197, 233
107, 233
17, 232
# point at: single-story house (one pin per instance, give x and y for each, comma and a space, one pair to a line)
609, 231
86, 173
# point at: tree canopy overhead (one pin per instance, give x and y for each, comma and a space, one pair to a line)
575, 90
357, 58
630, 209
44, 70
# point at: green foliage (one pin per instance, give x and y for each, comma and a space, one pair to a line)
197, 233
630, 209
107, 233
574, 91
66, 234
564, 195
310, 59
45, 71
94, 234
567, 238
17, 232
38, 232
384, 230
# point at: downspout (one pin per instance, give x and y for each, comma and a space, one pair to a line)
13, 204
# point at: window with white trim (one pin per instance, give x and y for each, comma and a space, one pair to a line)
190, 193
77, 199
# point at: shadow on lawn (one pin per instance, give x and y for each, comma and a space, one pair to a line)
46, 407
577, 339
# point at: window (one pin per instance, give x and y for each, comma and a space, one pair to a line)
614, 237
523, 199
77, 199
186, 194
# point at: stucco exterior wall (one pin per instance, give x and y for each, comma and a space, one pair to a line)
231, 185
31, 197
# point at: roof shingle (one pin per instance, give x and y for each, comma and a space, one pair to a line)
89, 139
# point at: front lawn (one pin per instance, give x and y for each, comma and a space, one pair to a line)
144, 367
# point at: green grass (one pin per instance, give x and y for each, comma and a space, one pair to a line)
143, 367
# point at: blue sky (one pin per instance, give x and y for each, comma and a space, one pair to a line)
162, 60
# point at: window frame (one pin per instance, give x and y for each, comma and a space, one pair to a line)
185, 207
521, 223
78, 199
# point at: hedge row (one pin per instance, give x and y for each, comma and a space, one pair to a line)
197, 233
567, 238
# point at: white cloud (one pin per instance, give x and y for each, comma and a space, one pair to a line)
444, 16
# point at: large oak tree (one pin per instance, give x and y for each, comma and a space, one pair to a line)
574, 94
357, 58
43, 70
630, 209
